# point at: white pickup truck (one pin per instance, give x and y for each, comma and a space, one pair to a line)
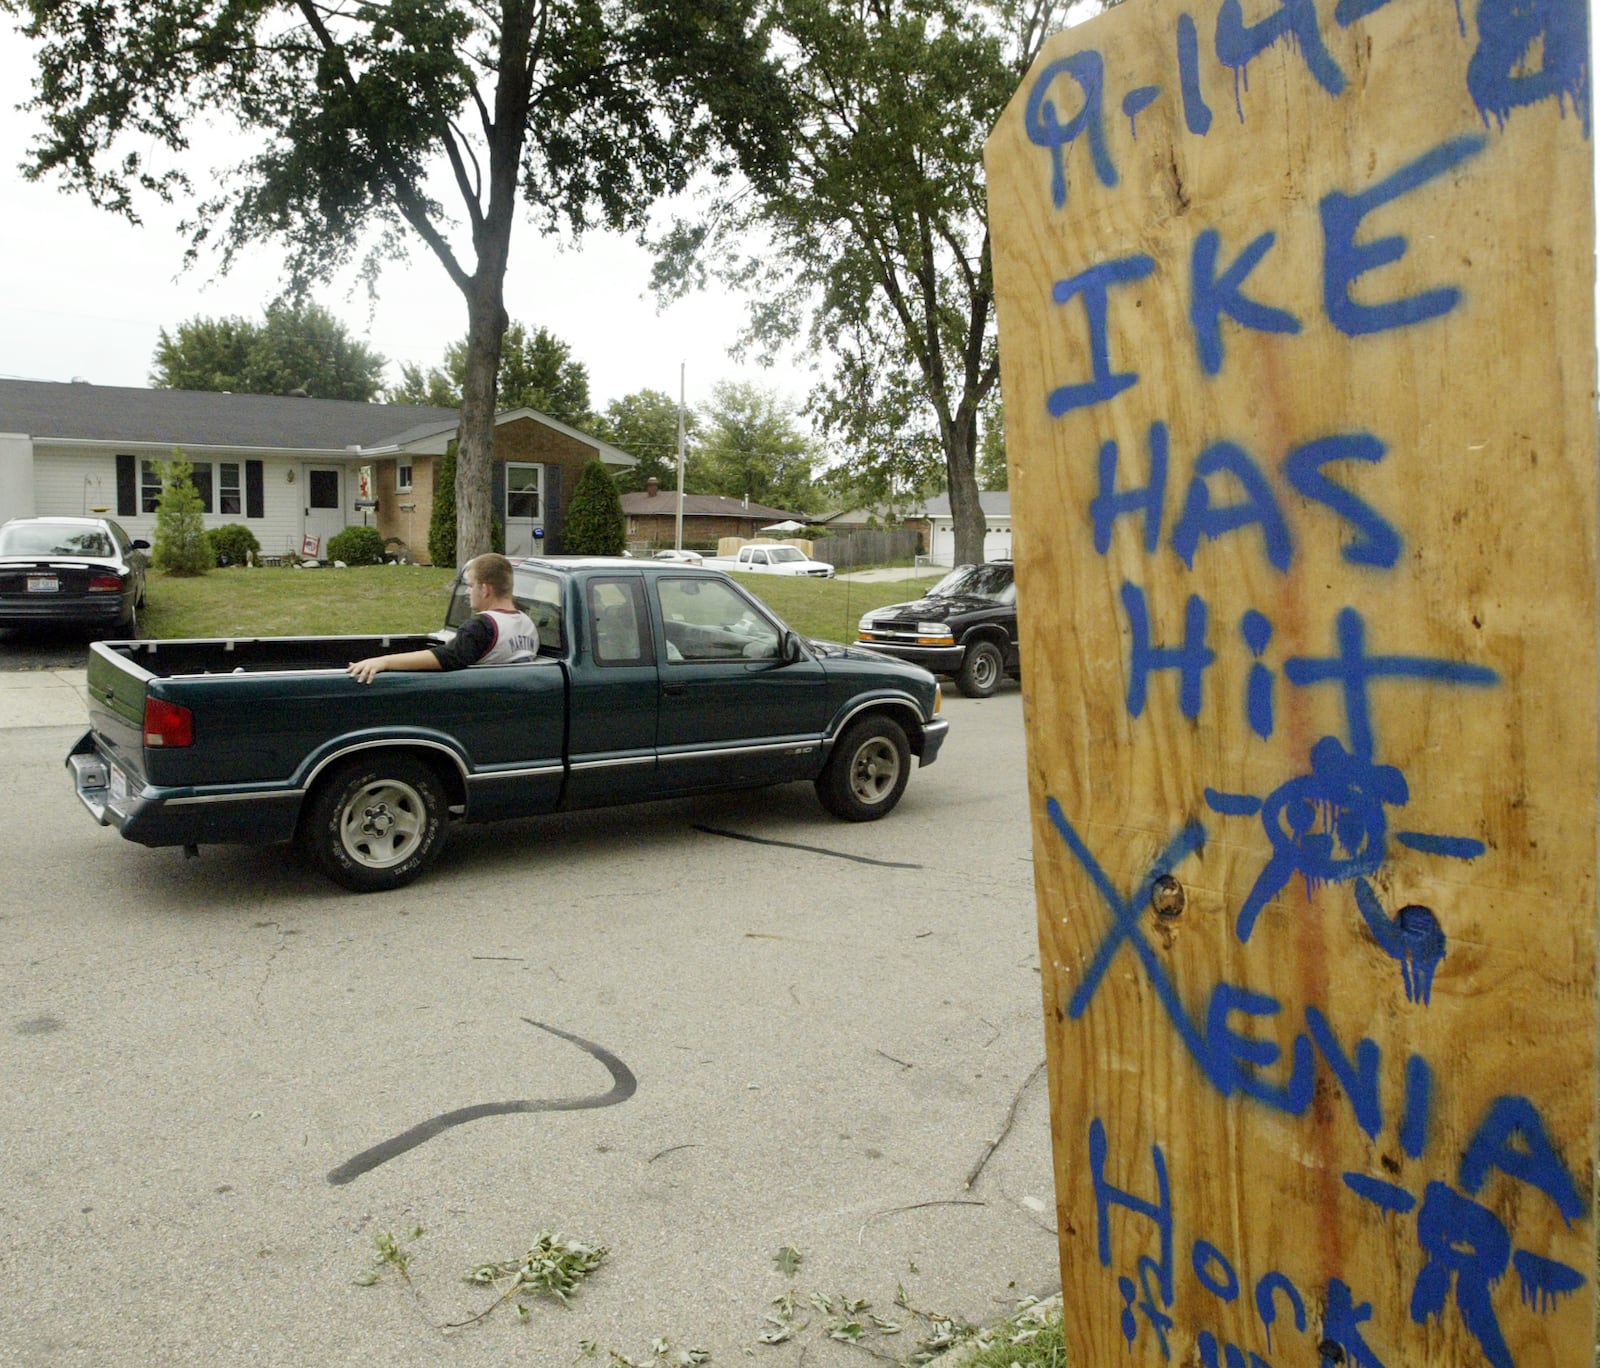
771, 560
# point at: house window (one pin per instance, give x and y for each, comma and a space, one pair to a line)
228, 488
522, 490
402, 478
201, 480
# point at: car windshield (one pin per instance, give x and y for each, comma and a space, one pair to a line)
995, 581
786, 553
53, 539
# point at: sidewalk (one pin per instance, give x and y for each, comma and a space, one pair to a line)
43, 698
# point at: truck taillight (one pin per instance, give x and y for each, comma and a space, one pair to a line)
108, 584
167, 724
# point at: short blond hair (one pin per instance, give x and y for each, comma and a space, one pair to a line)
494, 570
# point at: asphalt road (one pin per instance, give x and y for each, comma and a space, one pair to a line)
42, 648
736, 1024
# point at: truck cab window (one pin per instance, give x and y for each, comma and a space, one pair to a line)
619, 633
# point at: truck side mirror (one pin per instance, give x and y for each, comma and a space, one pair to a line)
791, 647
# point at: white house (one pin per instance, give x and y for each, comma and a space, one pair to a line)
291, 470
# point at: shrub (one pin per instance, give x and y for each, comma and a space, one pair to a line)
357, 546
181, 546
594, 524
442, 525
233, 544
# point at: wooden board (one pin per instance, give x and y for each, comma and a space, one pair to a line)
1297, 341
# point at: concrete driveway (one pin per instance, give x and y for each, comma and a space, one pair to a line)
759, 1028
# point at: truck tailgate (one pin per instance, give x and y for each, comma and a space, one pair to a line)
116, 688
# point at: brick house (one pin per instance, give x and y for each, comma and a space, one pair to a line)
294, 471
653, 515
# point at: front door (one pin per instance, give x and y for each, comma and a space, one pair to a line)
524, 508
324, 509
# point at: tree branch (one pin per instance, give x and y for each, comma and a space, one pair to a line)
412, 206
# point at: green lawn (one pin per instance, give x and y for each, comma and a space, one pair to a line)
411, 598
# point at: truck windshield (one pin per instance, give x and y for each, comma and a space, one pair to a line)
996, 580
781, 554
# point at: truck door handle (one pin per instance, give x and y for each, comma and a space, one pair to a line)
676, 690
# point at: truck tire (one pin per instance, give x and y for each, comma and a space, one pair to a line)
867, 772
376, 824
981, 670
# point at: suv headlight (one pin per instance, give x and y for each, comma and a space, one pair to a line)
934, 634
865, 625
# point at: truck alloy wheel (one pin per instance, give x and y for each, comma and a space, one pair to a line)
377, 824
981, 670
867, 771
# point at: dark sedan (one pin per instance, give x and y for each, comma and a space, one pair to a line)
84, 572
965, 626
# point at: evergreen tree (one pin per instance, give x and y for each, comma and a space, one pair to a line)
442, 525
181, 545
594, 524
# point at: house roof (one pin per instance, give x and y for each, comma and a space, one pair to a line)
49, 410
996, 503
665, 504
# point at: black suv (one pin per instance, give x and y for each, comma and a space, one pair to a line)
966, 627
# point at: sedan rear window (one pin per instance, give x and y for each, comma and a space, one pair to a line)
54, 539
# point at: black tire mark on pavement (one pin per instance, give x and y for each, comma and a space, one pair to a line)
814, 850
623, 1086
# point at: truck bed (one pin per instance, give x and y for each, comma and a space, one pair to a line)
257, 655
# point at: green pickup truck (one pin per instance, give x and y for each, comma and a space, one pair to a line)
653, 680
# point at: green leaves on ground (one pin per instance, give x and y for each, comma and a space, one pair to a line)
554, 1267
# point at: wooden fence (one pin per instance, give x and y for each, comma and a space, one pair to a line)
869, 547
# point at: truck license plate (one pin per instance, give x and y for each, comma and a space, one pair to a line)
43, 584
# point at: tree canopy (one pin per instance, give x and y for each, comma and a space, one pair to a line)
645, 425
876, 237
537, 371
750, 447
296, 348
578, 112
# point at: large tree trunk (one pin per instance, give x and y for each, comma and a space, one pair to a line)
961, 468
486, 325
486, 290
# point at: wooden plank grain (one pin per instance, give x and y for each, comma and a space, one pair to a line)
1297, 342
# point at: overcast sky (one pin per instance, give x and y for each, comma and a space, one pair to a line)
84, 294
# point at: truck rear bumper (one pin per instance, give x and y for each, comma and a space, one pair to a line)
149, 817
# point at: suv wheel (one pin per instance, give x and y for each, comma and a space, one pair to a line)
868, 770
981, 670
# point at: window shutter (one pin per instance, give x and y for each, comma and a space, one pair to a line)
497, 490
127, 487
255, 502
553, 507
